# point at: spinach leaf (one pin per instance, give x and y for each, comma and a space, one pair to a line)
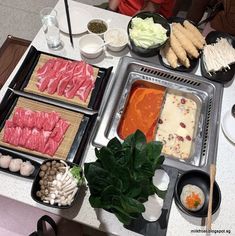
97, 178
114, 145
95, 202
131, 205
160, 193
137, 140
153, 152
124, 217
107, 159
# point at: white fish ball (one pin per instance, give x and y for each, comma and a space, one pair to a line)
15, 164
5, 161
26, 168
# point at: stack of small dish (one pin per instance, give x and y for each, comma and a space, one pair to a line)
91, 45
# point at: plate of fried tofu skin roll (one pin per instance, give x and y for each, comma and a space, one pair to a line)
183, 49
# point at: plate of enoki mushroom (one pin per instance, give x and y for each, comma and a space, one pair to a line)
218, 57
183, 48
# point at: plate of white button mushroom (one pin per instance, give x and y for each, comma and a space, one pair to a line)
57, 183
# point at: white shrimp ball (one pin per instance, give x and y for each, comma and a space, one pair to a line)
15, 165
26, 168
5, 161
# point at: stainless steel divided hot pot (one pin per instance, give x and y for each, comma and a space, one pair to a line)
205, 94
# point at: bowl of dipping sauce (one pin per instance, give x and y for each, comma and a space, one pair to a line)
192, 191
116, 38
97, 26
90, 45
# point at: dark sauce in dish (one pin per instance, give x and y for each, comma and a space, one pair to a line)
97, 27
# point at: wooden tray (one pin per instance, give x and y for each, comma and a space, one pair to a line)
10, 53
73, 139
31, 86
25, 81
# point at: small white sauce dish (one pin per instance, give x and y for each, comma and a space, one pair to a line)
116, 38
228, 126
90, 45
95, 26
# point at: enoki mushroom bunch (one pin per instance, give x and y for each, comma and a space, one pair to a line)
218, 56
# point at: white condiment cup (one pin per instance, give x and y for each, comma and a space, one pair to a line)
90, 45
97, 20
117, 39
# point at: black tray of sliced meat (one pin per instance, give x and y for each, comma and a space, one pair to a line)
64, 82
64, 137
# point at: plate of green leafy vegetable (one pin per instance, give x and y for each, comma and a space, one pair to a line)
120, 180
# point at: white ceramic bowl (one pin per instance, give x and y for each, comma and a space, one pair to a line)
117, 39
98, 26
88, 45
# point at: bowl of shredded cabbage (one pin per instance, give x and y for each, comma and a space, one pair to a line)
147, 32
